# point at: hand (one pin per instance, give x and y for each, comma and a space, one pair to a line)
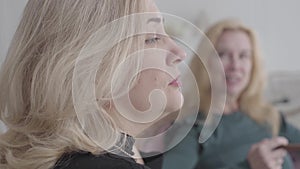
265, 154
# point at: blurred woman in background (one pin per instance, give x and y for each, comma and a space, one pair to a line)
251, 130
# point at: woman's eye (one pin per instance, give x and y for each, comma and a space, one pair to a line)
221, 54
153, 40
244, 56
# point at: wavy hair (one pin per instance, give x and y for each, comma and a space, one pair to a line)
251, 100
36, 100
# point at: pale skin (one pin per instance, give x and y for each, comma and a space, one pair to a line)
152, 79
235, 50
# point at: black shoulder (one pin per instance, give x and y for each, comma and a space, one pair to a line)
84, 160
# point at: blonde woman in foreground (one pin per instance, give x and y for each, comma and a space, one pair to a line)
74, 91
250, 130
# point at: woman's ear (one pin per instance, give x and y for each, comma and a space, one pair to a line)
108, 105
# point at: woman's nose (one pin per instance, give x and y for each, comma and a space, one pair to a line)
177, 52
234, 62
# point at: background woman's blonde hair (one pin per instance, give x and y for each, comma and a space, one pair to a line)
36, 80
251, 100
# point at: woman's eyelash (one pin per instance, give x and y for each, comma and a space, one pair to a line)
152, 40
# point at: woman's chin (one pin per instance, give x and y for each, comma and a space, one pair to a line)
175, 103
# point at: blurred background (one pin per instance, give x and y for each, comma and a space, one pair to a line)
278, 28
276, 23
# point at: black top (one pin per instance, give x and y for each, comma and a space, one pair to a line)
86, 160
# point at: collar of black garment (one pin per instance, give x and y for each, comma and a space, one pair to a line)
124, 146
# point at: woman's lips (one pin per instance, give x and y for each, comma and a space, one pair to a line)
233, 80
175, 83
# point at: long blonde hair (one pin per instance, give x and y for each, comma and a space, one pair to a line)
251, 100
36, 80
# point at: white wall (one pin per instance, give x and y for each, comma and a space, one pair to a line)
276, 22
10, 14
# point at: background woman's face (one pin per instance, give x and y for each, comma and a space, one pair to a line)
161, 57
235, 51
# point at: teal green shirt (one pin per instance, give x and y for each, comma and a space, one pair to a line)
228, 146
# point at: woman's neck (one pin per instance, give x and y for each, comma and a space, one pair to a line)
231, 105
